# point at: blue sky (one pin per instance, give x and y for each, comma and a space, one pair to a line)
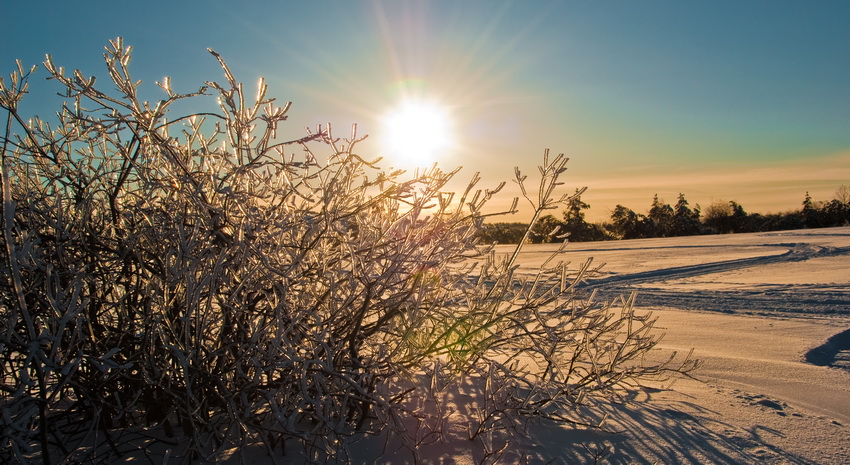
743, 100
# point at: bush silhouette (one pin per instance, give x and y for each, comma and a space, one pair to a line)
197, 283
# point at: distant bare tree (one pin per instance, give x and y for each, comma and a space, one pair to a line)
842, 194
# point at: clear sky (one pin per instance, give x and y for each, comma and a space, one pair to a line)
733, 100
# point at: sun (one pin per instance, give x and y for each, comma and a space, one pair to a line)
417, 133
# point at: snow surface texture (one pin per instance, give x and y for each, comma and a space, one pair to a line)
782, 273
769, 316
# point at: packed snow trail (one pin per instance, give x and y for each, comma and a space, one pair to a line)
684, 286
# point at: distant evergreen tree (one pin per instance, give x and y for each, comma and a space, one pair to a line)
548, 229
809, 213
661, 215
574, 214
685, 221
502, 233
626, 224
574, 223
808, 203
835, 213
739, 218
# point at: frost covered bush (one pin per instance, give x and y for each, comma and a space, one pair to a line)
178, 286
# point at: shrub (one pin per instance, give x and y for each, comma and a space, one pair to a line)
198, 283
502, 232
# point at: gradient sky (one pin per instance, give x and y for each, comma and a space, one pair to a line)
731, 100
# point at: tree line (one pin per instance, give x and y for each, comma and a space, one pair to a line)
665, 220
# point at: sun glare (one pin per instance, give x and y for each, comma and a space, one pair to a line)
416, 133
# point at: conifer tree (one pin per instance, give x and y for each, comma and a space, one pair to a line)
685, 221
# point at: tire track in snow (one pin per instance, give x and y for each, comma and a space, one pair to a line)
797, 299
796, 252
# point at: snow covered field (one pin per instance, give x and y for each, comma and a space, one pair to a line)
769, 316
785, 273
